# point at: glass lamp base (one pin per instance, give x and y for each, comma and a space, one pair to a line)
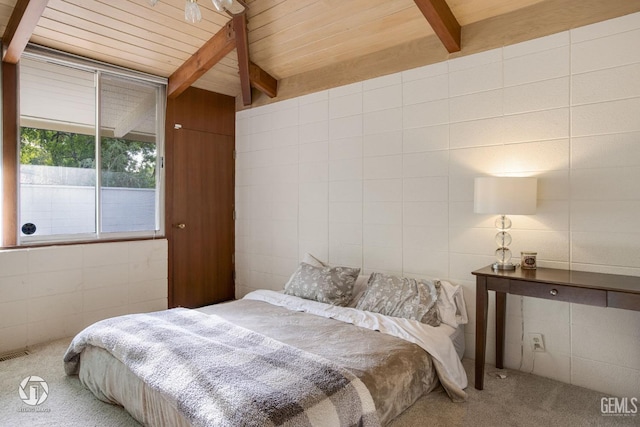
499, 266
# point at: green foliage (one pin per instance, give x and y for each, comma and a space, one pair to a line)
125, 163
53, 148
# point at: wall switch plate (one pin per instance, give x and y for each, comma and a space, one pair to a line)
536, 341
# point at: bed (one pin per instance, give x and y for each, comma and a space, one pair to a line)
388, 362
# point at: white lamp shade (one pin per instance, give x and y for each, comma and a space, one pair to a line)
505, 195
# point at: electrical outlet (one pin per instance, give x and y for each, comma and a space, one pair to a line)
537, 342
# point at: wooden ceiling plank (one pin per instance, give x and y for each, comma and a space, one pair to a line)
166, 38
261, 6
216, 48
279, 11
219, 87
242, 49
318, 18
54, 43
442, 21
214, 77
99, 41
5, 15
173, 27
169, 14
108, 35
263, 81
337, 46
23, 21
316, 24
226, 86
470, 11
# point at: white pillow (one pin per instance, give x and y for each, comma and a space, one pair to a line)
307, 259
311, 260
451, 306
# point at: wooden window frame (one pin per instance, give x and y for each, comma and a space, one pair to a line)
10, 85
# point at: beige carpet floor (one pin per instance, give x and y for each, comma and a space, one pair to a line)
519, 400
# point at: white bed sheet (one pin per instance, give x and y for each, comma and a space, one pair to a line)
457, 338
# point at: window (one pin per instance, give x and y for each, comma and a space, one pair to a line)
91, 147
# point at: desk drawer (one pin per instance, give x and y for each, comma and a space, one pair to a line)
560, 293
498, 285
623, 300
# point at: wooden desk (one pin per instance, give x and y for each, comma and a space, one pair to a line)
579, 287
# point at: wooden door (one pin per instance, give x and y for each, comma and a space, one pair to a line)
201, 235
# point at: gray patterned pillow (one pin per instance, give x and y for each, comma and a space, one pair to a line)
307, 259
331, 285
401, 297
433, 314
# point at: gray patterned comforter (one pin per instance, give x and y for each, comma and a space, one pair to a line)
220, 374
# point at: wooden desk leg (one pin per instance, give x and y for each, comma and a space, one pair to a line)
482, 299
501, 308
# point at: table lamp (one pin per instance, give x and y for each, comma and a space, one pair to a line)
504, 196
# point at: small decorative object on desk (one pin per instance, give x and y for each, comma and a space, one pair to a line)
528, 260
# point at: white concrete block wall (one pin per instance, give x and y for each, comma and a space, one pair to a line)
383, 180
54, 292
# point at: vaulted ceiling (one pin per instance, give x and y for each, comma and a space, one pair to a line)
304, 45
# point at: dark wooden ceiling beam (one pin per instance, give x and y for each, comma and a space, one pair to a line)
444, 24
250, 73
263, 81
22, 22
242, 48
216, 48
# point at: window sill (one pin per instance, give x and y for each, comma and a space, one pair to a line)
41, 244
